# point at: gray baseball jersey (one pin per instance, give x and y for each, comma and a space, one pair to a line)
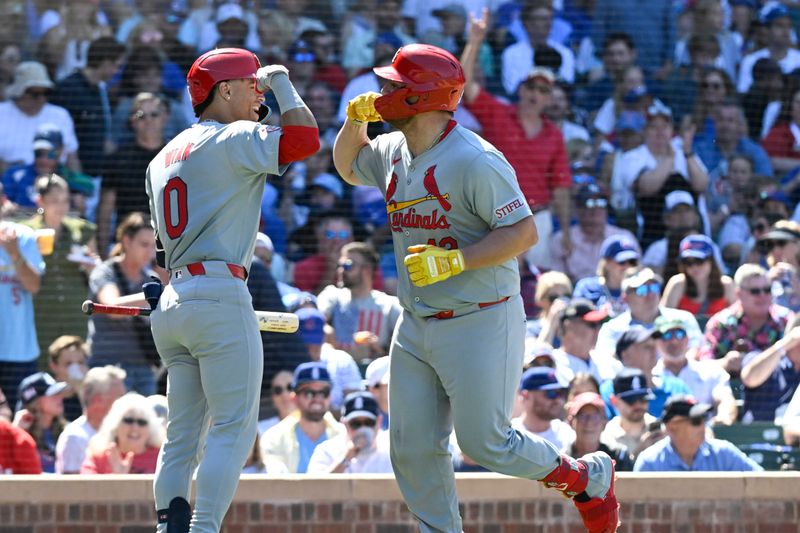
205, 191
461, 372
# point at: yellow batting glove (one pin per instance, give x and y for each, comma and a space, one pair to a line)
428, 264
361, 109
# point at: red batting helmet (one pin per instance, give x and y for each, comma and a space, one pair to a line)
219, 65
428, 72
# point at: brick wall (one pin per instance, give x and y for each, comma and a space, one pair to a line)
693, 503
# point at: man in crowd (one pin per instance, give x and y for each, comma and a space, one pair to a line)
362, 449
780, 46
544, 393
377, 382
317, 271
618, 54
633, 427
686, 448
580, 324
587, 416
293, 440
101, 388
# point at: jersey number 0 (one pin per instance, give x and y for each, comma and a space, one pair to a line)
175, 190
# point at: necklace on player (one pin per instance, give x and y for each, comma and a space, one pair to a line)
436, 140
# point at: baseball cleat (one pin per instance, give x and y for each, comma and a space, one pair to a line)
600, 515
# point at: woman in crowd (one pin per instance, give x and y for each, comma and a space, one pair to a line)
699, 287
617, 254
782, 143
40, 412
553, 291
715, 87
281, 394
65, 280
121, 275
128, 440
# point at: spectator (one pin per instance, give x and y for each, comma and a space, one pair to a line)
362, 449
730, 199
10, 56
64, 283
363, 318
231, 26
699, 287
617, 253
641, 288
715, 88
707, 382
687, 448
361, 28
680, 89
588, 236
544, 392
329, 72
18, 453
619, 52
580, 323
771, 377
629, 136
101, 387
297, 11
632, 427
128, 441
67, 356
85, 95
680, 218
587, 416
123, 187
559, 113
376, 381
777, 19
519, 58
343, 371
533, 144
763, 102
709, 19
553, 291
791, 421
781, 246
293, 440
782, 143
26, 109
580, 383
275, 33
630, 94
5, 408
323, 102
317, 271
280, 392
40, 412
22, 266
752, 323
120, 276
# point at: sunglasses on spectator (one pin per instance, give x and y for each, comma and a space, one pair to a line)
49, 154
277, 390
635, 399
652, 288
360, 423
592, 203
769, 245
554, 394
41, 93
308, 394
755, 291
586, 418
141, 115
341, 234
677, 334
129, 420
348, 265
629, 263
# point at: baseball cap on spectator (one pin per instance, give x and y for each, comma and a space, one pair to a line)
696, 247
329, 183
301, 52
377, 373
228, 11
664, 324
360, 404
771, 12
540, 73
639, 278
780, 234
296, 300
589, 194
388, 38
28, 74
630, 121
635, 94
630, 385
658, 109
48, 137
542, 378
310, 373
263, 241
585, 310
312, 325
36, 386
450, 9
620, 248
582, 400
683, 405
538, 352
634, 335
676, 198
777, 195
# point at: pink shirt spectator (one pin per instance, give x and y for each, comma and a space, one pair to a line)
582, 263
143, 463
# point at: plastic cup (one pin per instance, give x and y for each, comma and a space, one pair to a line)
46, 240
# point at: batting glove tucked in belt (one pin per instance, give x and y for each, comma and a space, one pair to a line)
264, 76
361, 109
428, 264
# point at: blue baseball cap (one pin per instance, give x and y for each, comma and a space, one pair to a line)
48, 137
542, 378
772, 11
312, 325
620, 248
301, 52
696, 247
635, 334
330, 183
631, 384
309, 373
36, 386
360, 404
389, 38
630, 121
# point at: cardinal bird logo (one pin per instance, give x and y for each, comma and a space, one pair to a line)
429, 182
391, 188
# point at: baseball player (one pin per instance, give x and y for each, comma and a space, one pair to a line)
205, 190
458, 220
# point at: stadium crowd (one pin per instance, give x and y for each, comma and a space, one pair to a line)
657, 143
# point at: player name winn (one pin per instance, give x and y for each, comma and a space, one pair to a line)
412, 219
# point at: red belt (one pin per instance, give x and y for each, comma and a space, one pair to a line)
444, 315
237, 271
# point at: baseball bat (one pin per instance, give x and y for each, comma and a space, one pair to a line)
267, 320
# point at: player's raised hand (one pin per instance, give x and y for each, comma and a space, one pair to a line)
428, 264
264, 76
361, 109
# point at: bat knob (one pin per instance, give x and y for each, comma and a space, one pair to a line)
87, 307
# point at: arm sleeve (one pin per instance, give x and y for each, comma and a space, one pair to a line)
297, 143
492, 192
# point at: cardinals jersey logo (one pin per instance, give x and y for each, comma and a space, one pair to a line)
429, 182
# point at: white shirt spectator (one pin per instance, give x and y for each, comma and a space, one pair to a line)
571, 130
559, 434
518, 60
71, 445
344, 372
601, 367
706, 379
612, 330
788, 64
331, 452
421, 11
359, 49
18, 129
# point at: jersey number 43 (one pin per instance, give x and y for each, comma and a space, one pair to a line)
175, 190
